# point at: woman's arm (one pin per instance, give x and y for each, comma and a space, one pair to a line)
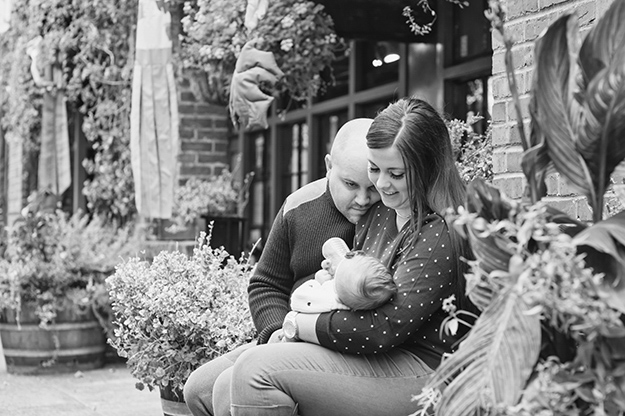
421, 266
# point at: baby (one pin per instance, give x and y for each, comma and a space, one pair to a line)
349, 280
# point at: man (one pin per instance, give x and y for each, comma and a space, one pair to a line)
326, 208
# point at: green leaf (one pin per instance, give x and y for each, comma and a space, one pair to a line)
482, 371
604, 245
555, 112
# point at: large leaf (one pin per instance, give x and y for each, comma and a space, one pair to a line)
602, 42
555, 112
602, 92
604, 245
493, 364
486, 201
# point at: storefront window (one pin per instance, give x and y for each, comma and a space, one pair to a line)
378, 64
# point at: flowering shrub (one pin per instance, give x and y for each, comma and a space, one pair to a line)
179, 312
299, 33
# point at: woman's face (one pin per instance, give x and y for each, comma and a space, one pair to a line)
388, 173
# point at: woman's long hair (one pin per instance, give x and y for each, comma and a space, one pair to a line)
421, 137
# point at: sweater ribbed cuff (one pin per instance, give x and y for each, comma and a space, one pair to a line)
265, 334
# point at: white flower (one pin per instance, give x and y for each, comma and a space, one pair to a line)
219, 53
287, 22
286, 45
300, 8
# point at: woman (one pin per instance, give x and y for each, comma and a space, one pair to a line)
372, 362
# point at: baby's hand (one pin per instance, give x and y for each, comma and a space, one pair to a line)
322, 276
328, 267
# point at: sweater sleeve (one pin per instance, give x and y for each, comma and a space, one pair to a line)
271, 284
421, 266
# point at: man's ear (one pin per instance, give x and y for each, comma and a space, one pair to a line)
328, 161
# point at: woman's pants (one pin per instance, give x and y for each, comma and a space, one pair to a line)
310, 380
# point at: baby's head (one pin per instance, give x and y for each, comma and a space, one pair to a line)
362, 282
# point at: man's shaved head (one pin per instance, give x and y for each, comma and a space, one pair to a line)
350, 187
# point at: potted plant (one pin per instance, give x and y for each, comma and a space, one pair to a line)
220, 200
551, 335
177, 312
52, 290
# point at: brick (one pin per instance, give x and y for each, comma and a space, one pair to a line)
512, 184
499, 62
584, 212
500, 135
189, 146
553, 186
204, 158
221, 122
587, 14
211, 134
537, 25
195, 170
567, 205
186, 109
187, 158
212, 109
565, 186
500, 87
523, 56
499, 112
516, 31
221, 147
523, 104
187, 96
186, 133
544, 4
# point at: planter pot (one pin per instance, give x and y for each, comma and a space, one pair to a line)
172, 402
76, 341
227, 232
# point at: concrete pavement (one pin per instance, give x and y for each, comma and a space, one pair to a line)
109, 391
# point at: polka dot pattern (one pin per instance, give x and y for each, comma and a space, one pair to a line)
421, 268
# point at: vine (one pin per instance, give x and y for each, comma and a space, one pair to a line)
91, 42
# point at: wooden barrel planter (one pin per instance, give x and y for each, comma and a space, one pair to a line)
76, 341
172, 402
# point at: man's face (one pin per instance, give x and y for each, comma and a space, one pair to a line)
352, 191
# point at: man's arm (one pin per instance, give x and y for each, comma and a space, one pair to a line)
270, 286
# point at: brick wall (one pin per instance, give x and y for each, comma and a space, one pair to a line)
203, 133
526, 20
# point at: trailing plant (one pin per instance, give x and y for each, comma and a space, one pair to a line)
299, 34
178, 312
91, 43
551, 336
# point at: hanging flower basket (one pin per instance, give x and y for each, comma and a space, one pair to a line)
299, 34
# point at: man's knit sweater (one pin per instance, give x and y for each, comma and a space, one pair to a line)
305, 221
